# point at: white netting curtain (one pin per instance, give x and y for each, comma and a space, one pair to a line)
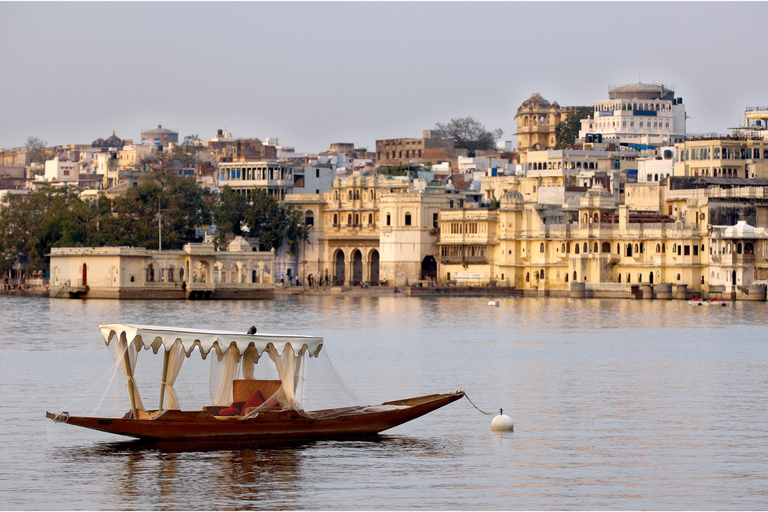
175, 360
121, 348
223, 372
289, 369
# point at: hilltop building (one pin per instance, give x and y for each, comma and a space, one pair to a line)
637, 114
536, 120
429, 148
159, 136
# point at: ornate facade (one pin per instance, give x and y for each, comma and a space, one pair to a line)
536, 121
602, 246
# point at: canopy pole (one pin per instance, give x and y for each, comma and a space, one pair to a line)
166, 357
131, 391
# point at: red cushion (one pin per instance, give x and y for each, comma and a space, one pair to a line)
256, 400
229, 411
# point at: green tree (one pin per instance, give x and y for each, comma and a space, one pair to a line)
229, 213
470, 134
296, 231
265, 220
186, 152
567, 131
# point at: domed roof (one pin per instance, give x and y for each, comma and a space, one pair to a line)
512, 199
536, 101
740, 230
642, 92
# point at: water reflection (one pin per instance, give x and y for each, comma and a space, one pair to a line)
269, 474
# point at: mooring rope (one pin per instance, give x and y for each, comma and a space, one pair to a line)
479, 409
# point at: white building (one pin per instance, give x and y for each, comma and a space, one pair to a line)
642, 114
655, 168
61, 170
313, 179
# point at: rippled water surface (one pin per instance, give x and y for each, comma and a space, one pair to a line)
617, 404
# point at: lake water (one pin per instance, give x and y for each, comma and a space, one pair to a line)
617, 404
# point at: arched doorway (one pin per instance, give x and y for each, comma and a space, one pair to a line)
357, 268
338, 271
374, 267
733, 278
428, 268
650, 277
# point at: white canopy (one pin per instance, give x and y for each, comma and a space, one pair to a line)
150, 336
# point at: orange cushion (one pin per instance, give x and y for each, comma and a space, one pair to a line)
256, 400
229, 411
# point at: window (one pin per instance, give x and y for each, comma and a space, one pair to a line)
541, 247
407, 219
370, 219
317, 173
309, 218
335, 219
389, 220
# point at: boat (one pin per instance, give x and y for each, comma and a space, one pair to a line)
712, 299
242, 409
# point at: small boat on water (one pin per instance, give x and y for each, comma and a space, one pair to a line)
242, 409
712, 299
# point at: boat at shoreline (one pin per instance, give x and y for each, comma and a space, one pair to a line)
242, 409
712, 299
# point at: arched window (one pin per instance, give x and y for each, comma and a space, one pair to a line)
349, 219
562, 249
357, 219
663, 248
658, 248
586, 248
596, 219
606, 247
576, 248
566, 277
568, 247
335, 219
629, 251
595, 247
357, 194
678, 277
738, 248
527, 277
370, 219
619, 277
574, 276
349, 195
309, 218
541, 247
407, 219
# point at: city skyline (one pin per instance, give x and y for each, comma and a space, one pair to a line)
311, 74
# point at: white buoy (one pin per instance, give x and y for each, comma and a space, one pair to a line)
494, 303
502, 422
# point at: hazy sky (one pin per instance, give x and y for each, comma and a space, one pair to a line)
316, 73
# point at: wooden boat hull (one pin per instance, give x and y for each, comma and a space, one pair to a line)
333, 423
